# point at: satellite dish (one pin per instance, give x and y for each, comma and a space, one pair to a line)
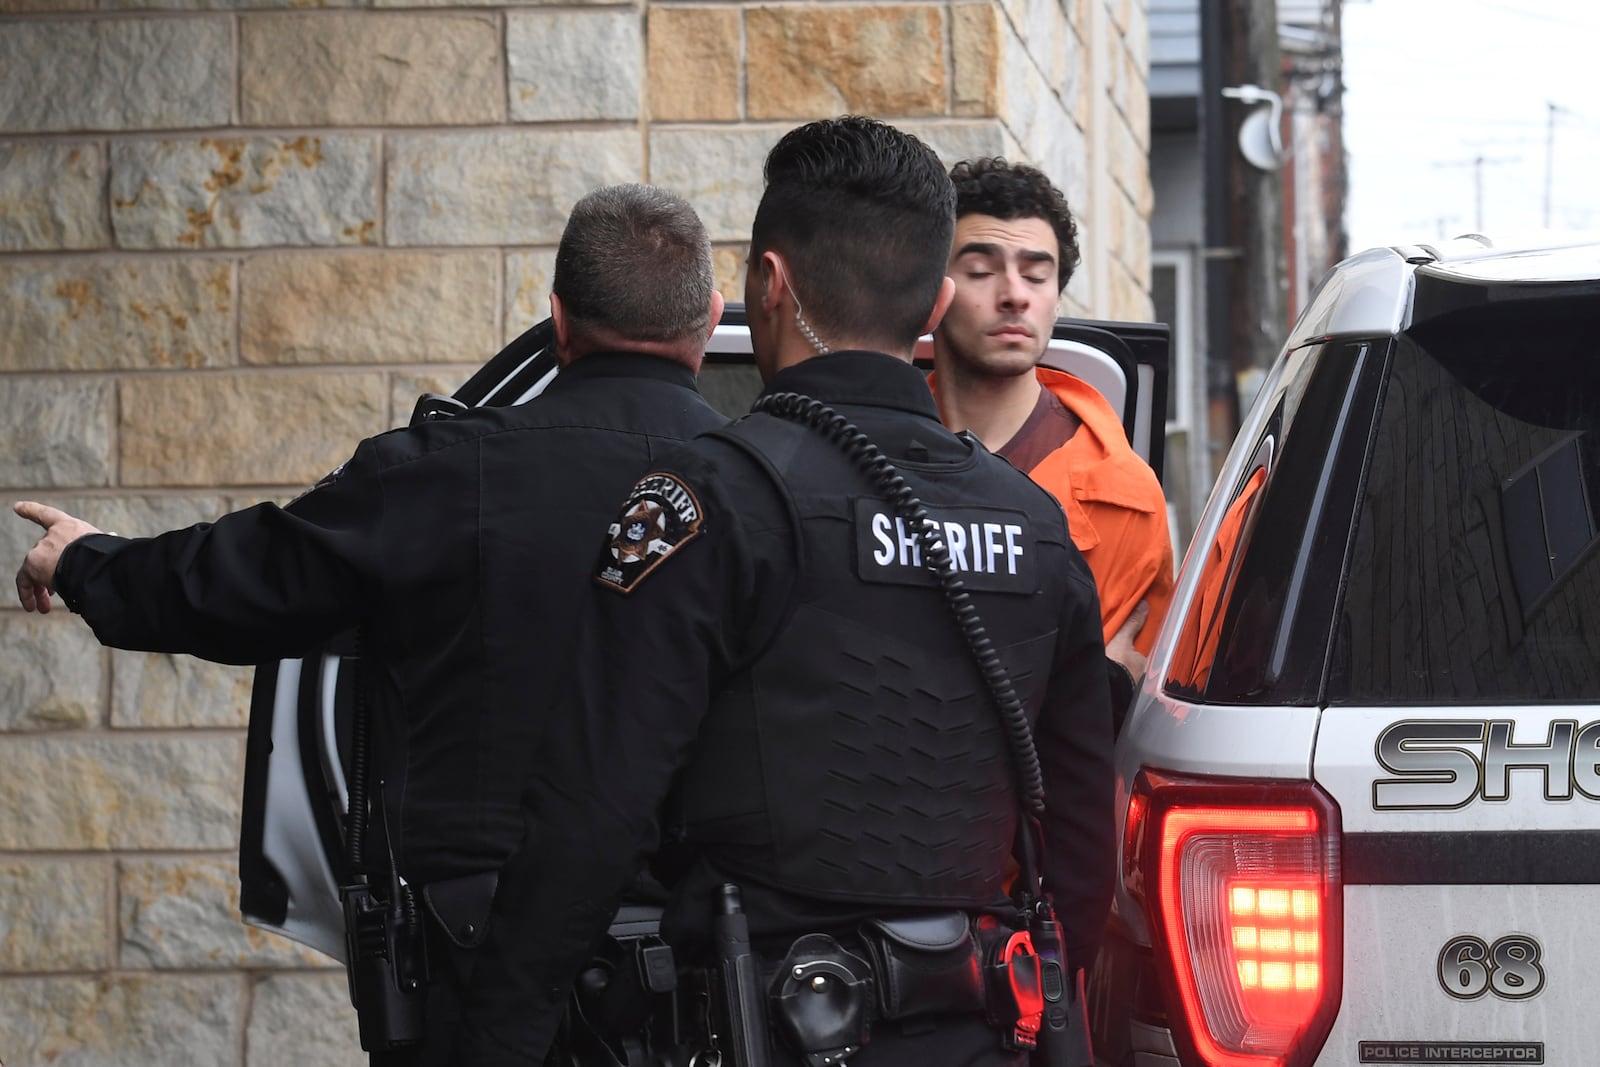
1260, 141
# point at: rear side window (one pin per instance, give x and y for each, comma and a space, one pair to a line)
1475, 571
1256, 631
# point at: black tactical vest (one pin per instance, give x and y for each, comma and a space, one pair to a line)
860, 757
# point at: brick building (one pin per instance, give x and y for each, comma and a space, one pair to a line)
234, 240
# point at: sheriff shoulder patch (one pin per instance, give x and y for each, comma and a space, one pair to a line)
661, 515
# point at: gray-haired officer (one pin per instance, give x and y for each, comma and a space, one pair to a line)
766, 644
459, 547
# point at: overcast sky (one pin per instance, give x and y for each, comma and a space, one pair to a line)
1431, 85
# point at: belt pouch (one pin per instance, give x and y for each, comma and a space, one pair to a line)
926, 964
1012, 984
822, 1000
461, 906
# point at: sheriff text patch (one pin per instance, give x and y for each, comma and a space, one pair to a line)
991, 549
660, 516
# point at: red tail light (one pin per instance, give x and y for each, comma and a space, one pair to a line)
1241, 884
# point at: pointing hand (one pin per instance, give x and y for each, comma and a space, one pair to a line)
37, 576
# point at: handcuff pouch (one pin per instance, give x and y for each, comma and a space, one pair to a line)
821, 1000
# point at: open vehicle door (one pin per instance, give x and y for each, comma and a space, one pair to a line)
292, 856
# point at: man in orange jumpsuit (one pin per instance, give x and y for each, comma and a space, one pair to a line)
1015, 248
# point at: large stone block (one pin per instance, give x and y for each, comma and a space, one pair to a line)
302, 1020
224, 193
1118, 75
53, 917
156, 1021
718, 170
1138, 113
1130, 162
364, 69
54, 7
51, 670
245, 429
114, 74
829, 60
57, 432
1080, 296
397, 307
975, 59
178, 914
1029, 102
1137, 38
528, 277
1069, 68
50, 195
728, 266
230, 5
1041, 25
499, 188
150, 689
955, 141
1130, 299
485, 3
694, 63
1120, 14
119, 793
85, 314
568, 66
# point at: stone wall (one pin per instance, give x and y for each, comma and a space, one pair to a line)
237, 235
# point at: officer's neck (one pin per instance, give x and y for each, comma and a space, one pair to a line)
794, 348
687, 351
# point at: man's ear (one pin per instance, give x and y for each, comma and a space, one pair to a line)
774, 281
558, 319
947, 293
716, 313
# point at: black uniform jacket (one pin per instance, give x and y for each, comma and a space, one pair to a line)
650, 661
459, 547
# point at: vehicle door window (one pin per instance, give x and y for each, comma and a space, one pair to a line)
1256, 630
729, 385
1475, 575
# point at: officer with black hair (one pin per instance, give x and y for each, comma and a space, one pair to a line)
769, 692
458, 548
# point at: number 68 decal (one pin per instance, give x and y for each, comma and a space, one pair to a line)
1509, 968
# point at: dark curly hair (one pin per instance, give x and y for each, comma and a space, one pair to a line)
864, 214
1017, 191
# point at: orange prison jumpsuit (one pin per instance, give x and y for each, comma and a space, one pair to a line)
1116, 511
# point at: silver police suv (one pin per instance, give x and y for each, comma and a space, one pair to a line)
1359, 789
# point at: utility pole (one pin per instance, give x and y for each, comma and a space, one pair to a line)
1549, 155
1476, 163
1256, 196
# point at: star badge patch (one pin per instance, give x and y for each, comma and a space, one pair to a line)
660, 516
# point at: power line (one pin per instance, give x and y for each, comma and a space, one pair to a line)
1537, 16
